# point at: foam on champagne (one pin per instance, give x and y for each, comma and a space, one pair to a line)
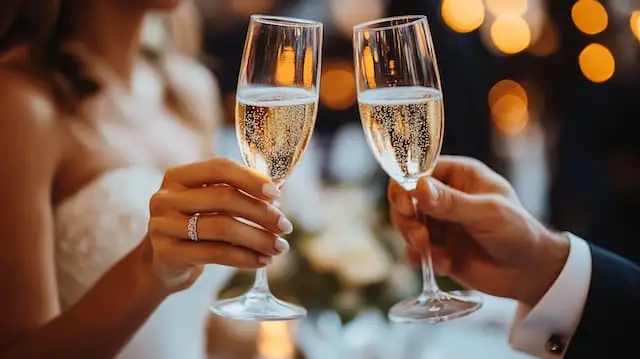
404, 127
274, 126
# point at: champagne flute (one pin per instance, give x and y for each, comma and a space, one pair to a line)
276, 108
401, 108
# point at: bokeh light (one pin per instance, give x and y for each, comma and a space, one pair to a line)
510, 34
244, 8
338, 90
509, 105
274, 340
597, 63
307, 70
507, 7
463, 15
548, 41
589, 16
634, 22
285, 67
347, 14
368, 61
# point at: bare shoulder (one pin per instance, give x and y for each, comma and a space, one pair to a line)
30, 148
28, 118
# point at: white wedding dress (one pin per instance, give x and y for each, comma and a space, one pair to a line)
98, 226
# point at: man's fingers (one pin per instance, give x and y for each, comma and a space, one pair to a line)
399, 197
440, 258
448, 167
440, 201
471, 176
412, 230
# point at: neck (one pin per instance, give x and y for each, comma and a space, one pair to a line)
110, 32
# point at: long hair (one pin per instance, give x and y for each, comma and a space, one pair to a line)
27, 21
41, 26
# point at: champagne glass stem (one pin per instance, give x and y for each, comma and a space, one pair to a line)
429, 284
261, 282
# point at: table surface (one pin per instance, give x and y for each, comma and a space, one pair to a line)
481, 335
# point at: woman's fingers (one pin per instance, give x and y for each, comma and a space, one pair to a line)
202, 253
220, 228
221, 171
222, 199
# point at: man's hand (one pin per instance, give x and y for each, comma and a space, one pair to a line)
482, 236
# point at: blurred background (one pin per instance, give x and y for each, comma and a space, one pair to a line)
542, 91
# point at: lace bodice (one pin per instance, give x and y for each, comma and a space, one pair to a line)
98, 226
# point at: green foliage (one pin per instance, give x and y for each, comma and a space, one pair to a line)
319, 290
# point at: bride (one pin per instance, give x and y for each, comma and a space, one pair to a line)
101, 238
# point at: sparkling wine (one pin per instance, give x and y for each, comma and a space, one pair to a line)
404, 127
274, 126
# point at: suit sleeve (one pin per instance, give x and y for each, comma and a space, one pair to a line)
611, 313
555, 318
590, 311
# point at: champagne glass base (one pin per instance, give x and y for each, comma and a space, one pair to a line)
257, 307
436, 308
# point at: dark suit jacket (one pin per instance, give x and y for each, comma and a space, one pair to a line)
611, 316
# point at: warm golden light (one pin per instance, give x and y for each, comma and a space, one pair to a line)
548, 42
246, 8
338, 90
509, 105
463, 15
275, 341
589, 16
368, 66
634, 22
307, 69
286, 68
510, 115
347, 14
510, 34
597, 63
507, 7
507, 87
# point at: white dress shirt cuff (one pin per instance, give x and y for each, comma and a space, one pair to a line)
558, 313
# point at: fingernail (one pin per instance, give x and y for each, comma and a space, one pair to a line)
282, 245
285, 225
405, 206
264, 260
270, 191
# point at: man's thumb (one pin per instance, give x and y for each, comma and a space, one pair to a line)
440, 201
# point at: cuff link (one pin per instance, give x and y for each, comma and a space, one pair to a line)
556, 345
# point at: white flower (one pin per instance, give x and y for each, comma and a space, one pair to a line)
352, 252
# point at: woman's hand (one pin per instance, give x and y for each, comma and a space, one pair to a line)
227, 196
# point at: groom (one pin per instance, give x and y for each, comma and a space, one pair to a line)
575, 300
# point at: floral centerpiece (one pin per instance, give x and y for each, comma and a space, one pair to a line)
352, 260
